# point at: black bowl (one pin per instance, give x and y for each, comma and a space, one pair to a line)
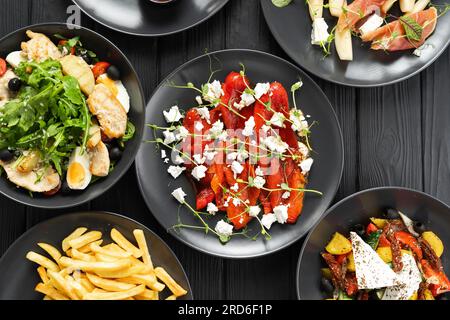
106, 50
18, 276
326, 138
358, 208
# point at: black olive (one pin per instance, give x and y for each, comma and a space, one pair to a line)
86, 58
359, 229
6, 155
326, 285
113, 73
109, 145
65, 189
419, 227
390, 213
115, 154
14, 84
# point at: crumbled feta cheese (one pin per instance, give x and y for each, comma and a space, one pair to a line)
166, 160
179, 195
306, 165
303, 148
299, 123
249, 127
319, 34
209, 155
253, 211
169, 137
224, 229
213, 92
259, 182
281, 213
265, 128
175, 171
199, 159
178, 160
239, 106
223, 136
236, 202
216, 129
173, 115
204, 114
212, 208
237, 168
163, 154
199, 172
181, 133
278, 119
235, 187
373, 23
199, 100
198, 126
286, 195
261, 89
231, 156
247, 99
259, 171
275, 144
268, 219
242, 155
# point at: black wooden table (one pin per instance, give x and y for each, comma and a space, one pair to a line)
396, 135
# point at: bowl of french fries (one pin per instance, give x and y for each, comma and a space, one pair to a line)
102, 256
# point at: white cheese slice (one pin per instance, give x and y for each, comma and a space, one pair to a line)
409, 278
319, 34
408, 223
371, 271
372, 24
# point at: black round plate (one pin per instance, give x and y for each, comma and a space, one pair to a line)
156, 184
145, 18
358, 208
291, 26
106, 50
18, 276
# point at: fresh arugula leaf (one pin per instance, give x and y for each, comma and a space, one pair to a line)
413, 29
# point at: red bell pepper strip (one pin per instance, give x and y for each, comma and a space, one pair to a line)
371, 228
3, 67
440, 282
63, 43
383, 242
100, 68
408, 239
234, 85
204, 197
296, 181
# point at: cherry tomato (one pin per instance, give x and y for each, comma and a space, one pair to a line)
63, 43
3, 67
100, 68
371, 228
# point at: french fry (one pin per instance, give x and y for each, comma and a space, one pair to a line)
42, 261
122, 273
176, 289
87, 248
77, 286
388, 5
148, 295
76, 234
82, 256
109, 285
43, 274
407, 5
420, 5
87, 284
115, 295
95, 266
142, 243
343, 43
63, 285
51, 250
47, 298
315, 9
97, 249
336, 7
148, 280
125, 244
50, 291
85, 239
172, 297
105, 258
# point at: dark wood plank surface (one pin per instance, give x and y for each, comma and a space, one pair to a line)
396, 135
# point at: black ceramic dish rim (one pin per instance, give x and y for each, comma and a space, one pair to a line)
338, 204
333, 112
353, 85
138, 135
152, 35
62, 217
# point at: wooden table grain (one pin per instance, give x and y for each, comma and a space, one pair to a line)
397, 135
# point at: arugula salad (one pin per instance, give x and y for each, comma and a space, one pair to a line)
63, 116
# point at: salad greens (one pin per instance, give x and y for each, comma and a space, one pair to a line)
49, 114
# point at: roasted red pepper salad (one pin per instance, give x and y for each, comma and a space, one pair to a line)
63, 116
392, 258
245, 149
371, 21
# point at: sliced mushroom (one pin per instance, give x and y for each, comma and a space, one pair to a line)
78, 68
100, 161
40, 47
50, 178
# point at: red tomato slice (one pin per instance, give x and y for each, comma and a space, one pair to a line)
3, 67
100, 68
